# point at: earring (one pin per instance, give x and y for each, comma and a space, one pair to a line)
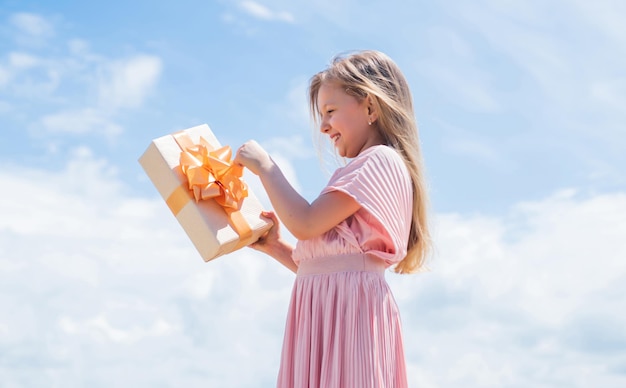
369, 122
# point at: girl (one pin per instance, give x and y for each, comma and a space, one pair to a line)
343, 325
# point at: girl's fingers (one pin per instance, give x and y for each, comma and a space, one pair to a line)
270, 214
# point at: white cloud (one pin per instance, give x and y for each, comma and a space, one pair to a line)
604, 15
541, 253
109, 284
99, 328
28, 76
567, 64
73, 92
22, 60
296, 104
552, 72
453, 70
292, 147
81, 264
473, 148
260, 11
462, 142
5, 75
5, 107
611, 93
126, 83
80, 121
507, 296
79, 47
32, 24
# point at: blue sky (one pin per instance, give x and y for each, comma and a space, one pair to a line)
521, 107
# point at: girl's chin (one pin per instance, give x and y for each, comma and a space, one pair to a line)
340, 151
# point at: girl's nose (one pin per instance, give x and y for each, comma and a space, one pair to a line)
324, 127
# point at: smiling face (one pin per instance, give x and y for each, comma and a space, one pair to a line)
345, 120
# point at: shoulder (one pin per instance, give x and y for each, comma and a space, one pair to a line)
383, 152
373, 153
374, 162
380, 157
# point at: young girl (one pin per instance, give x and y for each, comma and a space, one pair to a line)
343, 325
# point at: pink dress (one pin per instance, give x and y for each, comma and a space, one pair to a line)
343, 325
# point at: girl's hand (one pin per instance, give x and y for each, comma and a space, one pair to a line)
269, 242
252, 156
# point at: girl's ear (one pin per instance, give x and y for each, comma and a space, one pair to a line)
372, 113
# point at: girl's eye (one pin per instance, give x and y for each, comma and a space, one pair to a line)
330, 111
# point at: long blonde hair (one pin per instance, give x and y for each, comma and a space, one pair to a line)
374, 74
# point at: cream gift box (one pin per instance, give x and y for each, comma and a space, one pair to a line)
213, 229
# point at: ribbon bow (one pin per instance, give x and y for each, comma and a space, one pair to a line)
211, 174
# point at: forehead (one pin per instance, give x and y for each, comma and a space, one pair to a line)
331, 93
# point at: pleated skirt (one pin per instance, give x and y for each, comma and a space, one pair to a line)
343, 327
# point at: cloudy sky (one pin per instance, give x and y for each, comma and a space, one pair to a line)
522, 111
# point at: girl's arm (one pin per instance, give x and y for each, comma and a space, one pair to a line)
303, 219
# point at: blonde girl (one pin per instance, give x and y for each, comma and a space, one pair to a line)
343, 326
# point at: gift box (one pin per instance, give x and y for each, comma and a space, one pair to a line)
204, 190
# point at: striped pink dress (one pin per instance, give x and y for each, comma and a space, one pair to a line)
343, 326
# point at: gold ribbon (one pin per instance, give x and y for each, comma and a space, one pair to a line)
210, 175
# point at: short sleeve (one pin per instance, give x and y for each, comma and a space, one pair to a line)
379, 181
